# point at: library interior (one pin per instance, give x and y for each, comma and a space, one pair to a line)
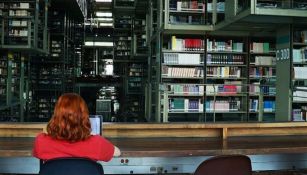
173, 82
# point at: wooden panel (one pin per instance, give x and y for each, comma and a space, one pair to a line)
21, 129
267, 131
121, 130
165, 132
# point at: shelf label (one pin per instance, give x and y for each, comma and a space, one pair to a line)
282, 54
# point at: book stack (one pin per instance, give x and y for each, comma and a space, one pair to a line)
186, 44
182, 58
223, 105
224, 72
229, 46
225, 59
300, 72
260, 47
300, 55
258, 72
182, 72
186, 89
185, 105
265, 60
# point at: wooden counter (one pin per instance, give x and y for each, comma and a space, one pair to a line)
172, 155
151, 130
172, 148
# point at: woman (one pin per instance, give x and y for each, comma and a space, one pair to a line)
68, 134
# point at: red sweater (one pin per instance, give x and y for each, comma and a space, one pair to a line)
95, 148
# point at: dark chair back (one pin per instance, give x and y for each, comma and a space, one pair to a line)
71, 166
225, 165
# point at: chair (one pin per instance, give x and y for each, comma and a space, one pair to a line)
225, 165
71, 166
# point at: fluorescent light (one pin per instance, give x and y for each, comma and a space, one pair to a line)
104, 14
106, 24
103, 0
104, 19
91, 43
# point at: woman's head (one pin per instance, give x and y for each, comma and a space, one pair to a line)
70, 120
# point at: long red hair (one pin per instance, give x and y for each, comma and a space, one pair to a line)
70, 120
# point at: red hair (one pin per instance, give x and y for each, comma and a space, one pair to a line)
70, 120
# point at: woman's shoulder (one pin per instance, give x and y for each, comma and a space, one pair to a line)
42, 136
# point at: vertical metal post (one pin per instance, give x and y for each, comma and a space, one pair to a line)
214, 12
260, 111
214, 101
166, 13
9, 79
21, 88
165, 106
45, 37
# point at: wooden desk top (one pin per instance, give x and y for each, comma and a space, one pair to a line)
173, 147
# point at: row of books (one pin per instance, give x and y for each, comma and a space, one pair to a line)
300, 94
185, 105
182, 58
265, 60
3, 71
256, 47
188, 44
255, 72
300, 72
135, 72
233, 87
220, 7
18, 23
194, 5
186, 89
300, 55
224, 72
254, 88
134, 84
300, 36
232, 105
22, 5
225, 59
299, 114
229, 46
19, 13
196, 19
182, 72
268, 105
18, 33
56, 48
3, 80
2, 90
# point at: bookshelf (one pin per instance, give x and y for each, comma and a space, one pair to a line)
140, 48
226, 79
191, 15
262, 78
3, 78
14, 83
123, 25
182, 69
130, 55
299, 68
24, 24
54, 74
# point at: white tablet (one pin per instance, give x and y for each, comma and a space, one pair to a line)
96, 124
